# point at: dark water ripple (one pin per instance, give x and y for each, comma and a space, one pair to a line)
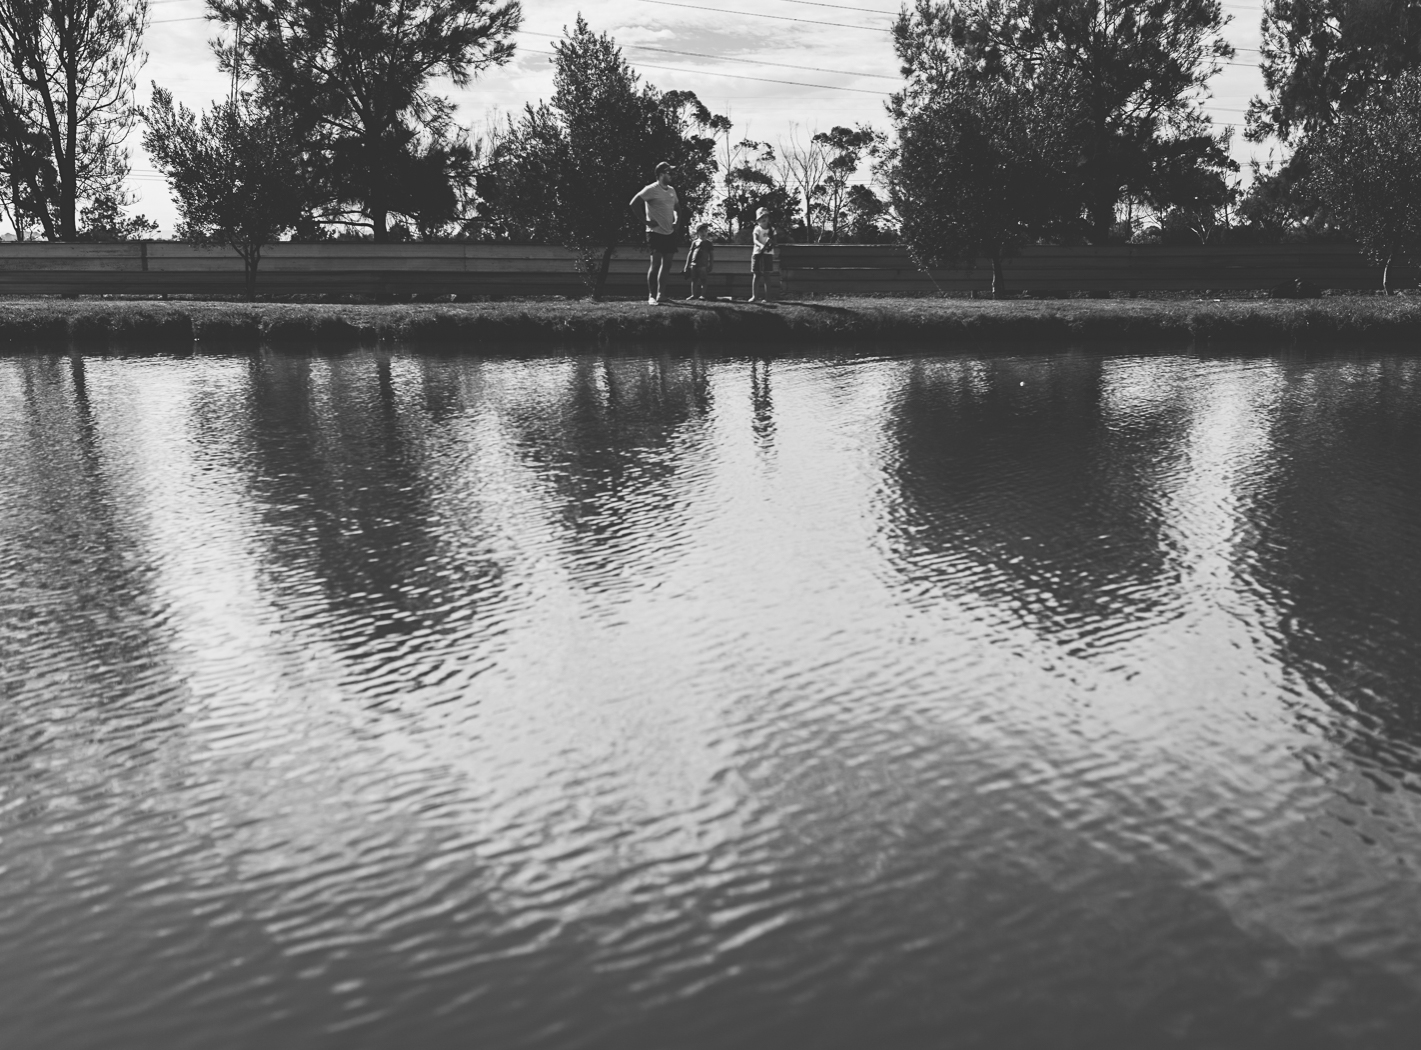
606, 701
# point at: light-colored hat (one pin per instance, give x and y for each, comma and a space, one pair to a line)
763, 213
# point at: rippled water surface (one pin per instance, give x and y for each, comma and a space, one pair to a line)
1043, 701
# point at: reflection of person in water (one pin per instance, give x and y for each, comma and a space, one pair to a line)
762, 406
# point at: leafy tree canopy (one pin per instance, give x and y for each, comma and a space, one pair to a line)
1366, 168
238, 173
67, 77
751, 183
563, 173
1132, 71
103, 220
977, 172
360, 74
1323, 57
845, 148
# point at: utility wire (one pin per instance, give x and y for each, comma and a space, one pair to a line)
841, 7
761, 62
757, 14
732, 76
729, 58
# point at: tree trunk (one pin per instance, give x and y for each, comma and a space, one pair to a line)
1386, 271
251, 258
378, 216
999, 283
68, 189
601, 281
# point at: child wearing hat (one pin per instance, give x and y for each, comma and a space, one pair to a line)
762, 258
700, 261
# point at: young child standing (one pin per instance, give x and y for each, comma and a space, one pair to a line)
700, 261
762, 258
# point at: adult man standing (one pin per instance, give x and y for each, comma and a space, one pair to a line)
660, 200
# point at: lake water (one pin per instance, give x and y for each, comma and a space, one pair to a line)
656, 701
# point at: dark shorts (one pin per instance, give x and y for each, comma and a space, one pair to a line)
665, 243
762, 262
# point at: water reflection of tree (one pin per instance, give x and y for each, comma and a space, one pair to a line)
83, 635
336, 454
1339, 551
1014, 489
607, 437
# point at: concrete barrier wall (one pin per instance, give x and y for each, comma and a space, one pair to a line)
850, 268
362, 268
155, 268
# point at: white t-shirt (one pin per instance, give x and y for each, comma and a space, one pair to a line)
660, 204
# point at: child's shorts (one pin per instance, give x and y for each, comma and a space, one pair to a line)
762, 262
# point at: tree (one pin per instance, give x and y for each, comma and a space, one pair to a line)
751, 184
867, 215
237, 174
801, 167
845, 149
1367, 171
31, 180
976, 173
1133, 70
1320, 58
102, 220
67, 78
359, 72
565, 171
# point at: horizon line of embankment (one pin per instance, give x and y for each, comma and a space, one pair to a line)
138, 327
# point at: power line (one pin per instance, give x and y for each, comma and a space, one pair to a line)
730, 58
841, 7
761, 62
733, 76
757, 14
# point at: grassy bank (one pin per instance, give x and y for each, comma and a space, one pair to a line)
97, 326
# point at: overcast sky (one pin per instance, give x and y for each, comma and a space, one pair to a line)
732, 53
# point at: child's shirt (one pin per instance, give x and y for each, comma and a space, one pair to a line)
764, 237
700, 255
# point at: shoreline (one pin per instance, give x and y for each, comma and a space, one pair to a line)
137, 327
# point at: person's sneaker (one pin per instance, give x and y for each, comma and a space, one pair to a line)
651, 300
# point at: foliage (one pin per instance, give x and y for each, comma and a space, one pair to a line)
359, 74
27, 168
1320, 58
1281, 205
1131, 74
751, 184
238, 174
844, 150
67, 78
1367, 171
103, 220
977, 172
801, 168
564, 172
867, 215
